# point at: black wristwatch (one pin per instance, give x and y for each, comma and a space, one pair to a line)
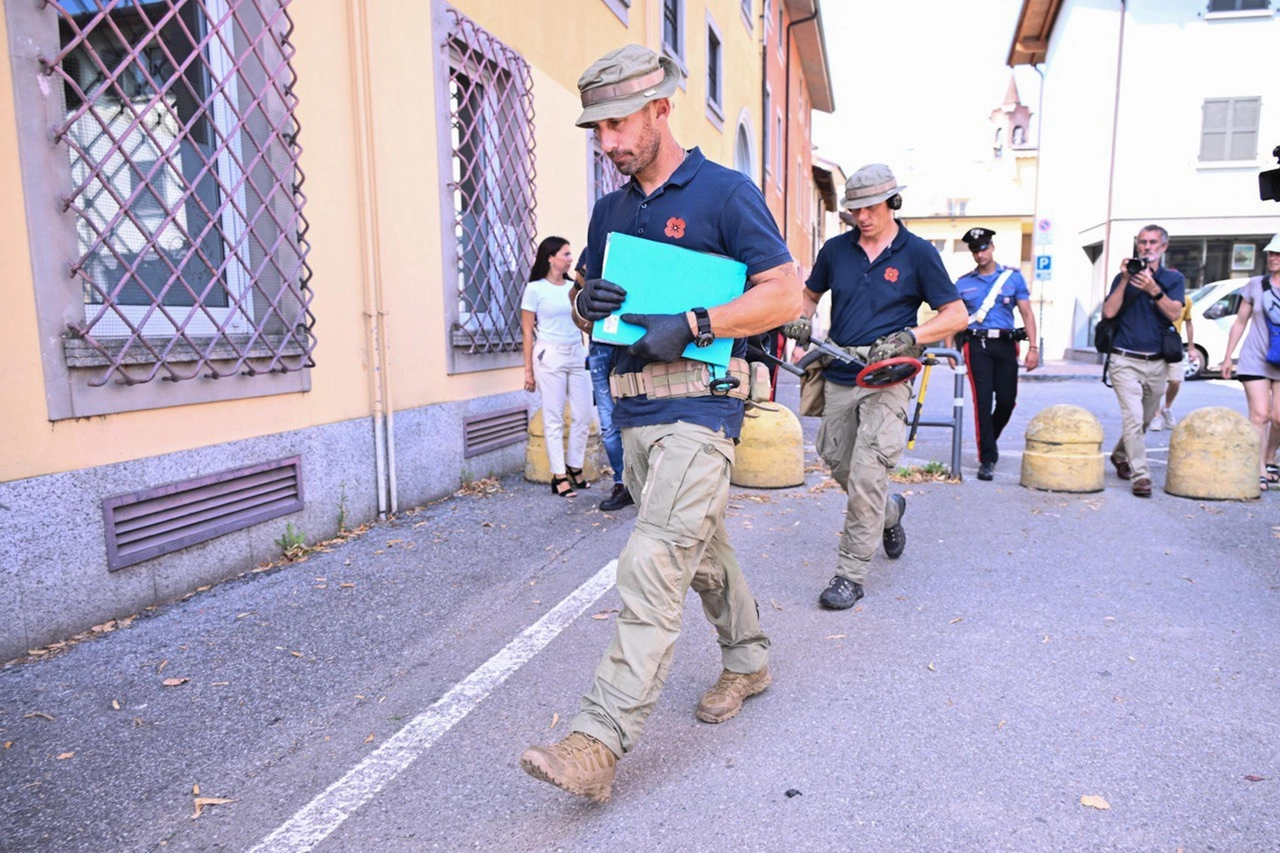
705, 335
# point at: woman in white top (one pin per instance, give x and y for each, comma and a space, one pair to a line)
555, 363
1260, 376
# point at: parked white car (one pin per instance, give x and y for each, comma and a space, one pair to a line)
1213, 310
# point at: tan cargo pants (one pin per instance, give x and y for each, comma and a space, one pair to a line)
861, 438
679, 474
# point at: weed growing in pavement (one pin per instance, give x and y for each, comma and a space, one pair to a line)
930, 472
293, 543
342, 508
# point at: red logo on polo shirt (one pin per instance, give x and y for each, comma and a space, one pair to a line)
675, 227
891, 274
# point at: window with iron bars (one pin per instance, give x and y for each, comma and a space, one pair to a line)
177, 126
490, 198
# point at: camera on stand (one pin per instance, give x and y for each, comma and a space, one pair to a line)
1133, 266
1269, 181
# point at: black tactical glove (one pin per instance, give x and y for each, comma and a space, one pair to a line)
892, 346
599, 298
799, 330
666, 338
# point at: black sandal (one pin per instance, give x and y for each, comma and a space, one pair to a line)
575, 477
562, 488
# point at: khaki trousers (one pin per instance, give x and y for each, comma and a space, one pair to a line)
1139, 386
679, 474
861, 438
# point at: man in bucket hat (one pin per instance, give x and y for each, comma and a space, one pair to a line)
878, 275
678, 449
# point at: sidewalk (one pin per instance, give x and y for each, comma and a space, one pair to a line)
1057, 371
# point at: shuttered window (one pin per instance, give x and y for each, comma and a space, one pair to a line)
1229, 129
1238, 5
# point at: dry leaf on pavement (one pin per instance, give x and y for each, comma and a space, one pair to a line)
555, 718
201, 802
62, 756
175, 682
1093, 801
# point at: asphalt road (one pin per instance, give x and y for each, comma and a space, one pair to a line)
1029, 649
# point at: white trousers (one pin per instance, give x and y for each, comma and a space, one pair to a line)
560, 371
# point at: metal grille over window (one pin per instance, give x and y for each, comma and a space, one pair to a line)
185, 185
493, 185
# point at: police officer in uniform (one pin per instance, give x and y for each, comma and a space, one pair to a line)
678, 448
990, 293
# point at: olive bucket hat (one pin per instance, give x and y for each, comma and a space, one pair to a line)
624, 80
870, 185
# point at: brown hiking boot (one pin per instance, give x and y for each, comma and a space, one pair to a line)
724, 700
580, 764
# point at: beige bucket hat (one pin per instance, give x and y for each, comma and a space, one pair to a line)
1274, 245
624, 80
869, 185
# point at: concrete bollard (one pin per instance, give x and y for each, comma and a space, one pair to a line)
1064, 451
537, 467
1213, 455
770, 454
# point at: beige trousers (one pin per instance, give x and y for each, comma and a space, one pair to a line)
1139, 386
861, 438
679, 474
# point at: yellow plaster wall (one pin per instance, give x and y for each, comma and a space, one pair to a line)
31, 445
374, 213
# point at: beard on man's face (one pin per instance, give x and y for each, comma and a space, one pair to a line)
645, 151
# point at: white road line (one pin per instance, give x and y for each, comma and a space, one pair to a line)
320, 817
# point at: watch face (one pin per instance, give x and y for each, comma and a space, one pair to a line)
705, 339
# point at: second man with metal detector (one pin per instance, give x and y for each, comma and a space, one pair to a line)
879, 274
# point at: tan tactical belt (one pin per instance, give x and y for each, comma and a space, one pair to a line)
683, 378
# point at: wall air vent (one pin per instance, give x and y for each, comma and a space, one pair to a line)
162, 519
482, 433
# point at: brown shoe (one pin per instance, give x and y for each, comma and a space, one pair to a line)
1123, 471
580, 764
724, 700
1142, 487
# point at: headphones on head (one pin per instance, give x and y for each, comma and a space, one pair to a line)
895, 201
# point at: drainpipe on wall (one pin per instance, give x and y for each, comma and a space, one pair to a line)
1035, 201
1111, 174
764, 101
370, 248
786, 140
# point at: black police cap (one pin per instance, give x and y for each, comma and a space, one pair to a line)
978, 238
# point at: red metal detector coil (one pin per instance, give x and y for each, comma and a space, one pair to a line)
890, 372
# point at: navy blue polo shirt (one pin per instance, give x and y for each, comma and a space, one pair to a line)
871, 299
1141, 323
705, 207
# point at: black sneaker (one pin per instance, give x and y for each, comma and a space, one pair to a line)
841, 594
987, 471
895, 538
617, 499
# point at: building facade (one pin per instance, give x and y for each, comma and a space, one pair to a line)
1154, 111
260, 285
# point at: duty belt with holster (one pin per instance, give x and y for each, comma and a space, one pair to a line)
995, 334
687, 378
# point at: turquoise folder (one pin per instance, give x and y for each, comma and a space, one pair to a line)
661, 278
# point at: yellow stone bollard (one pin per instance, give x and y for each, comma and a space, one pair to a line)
537, 467
1064, 451
1213, 455
770, 454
